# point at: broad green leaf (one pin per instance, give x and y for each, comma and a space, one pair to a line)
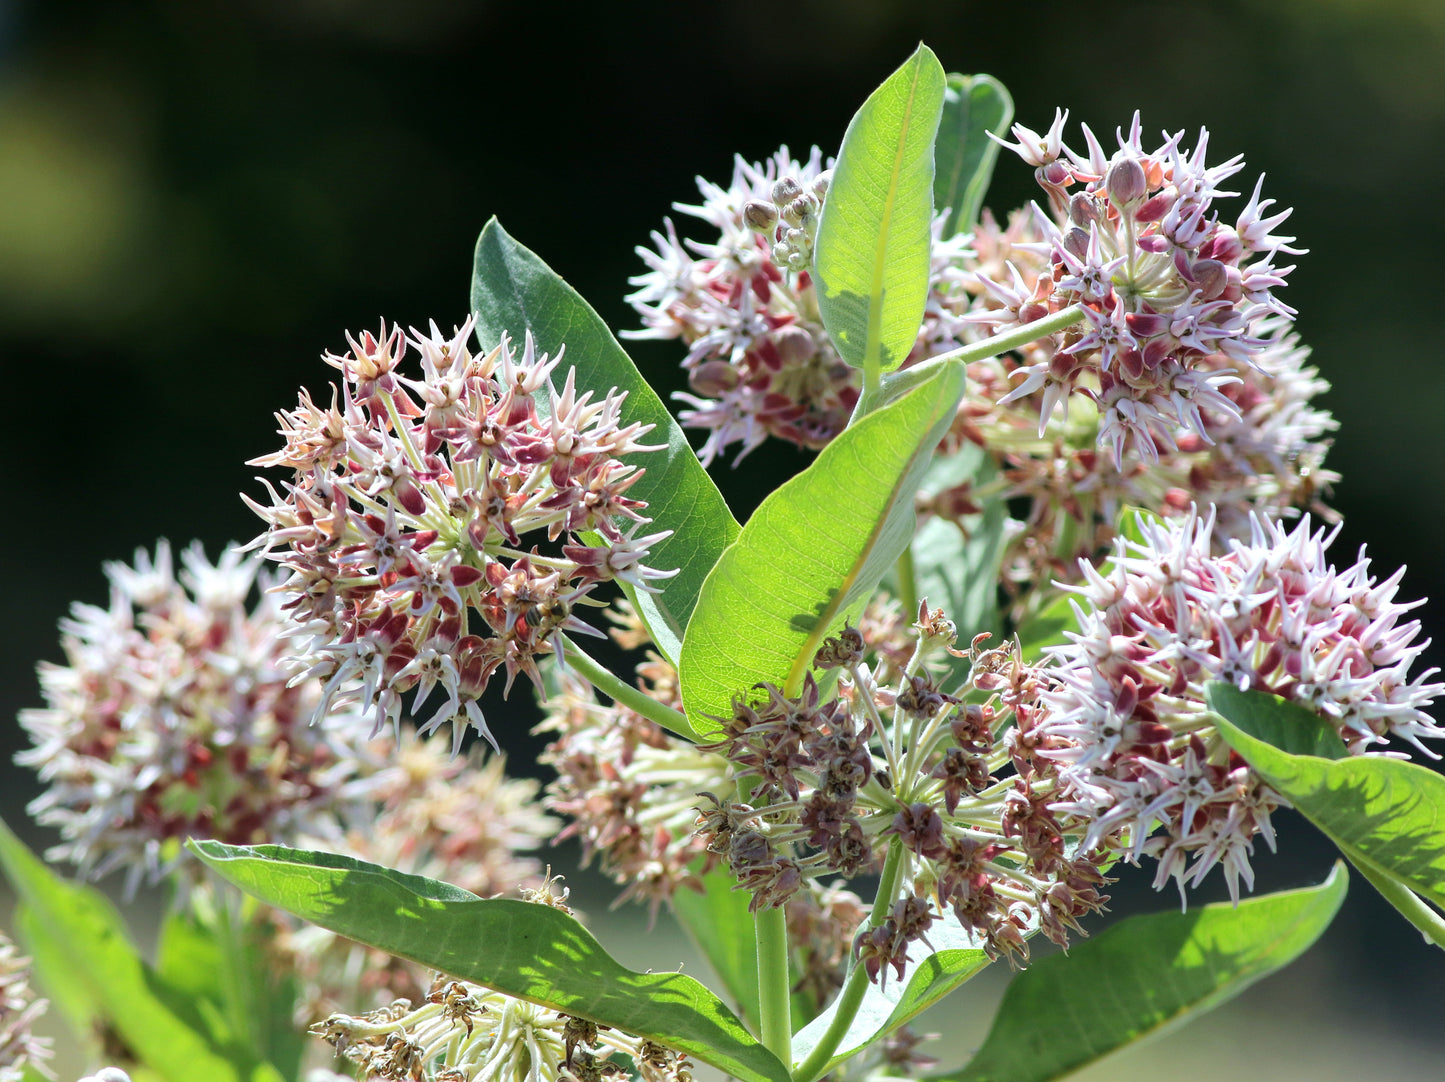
959, 568
514, 291
812, 553
871, 259
527, 950
1386, 815
972, 106
221, 966
81, 952
1288, 726
1141, 977
928, 977
718, 921
719, 924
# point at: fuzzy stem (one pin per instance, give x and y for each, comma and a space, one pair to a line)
624, 694
770, 927
887, 388
1428, 922
1009, 340
851, 998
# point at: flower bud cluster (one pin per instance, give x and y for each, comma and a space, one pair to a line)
836, 780
173, 717
411, 524
1164, 283
789, 217
759, 361
462, 1032
22, 1054
1127, 728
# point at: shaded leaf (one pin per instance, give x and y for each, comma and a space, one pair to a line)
720, 926
1047, 627
1386, 815
1141, 977
718, 922
513, 290
84, 959
1288, 726
812, 553
523, 949
871, 259
965, 156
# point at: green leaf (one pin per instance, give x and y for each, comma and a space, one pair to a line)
1047, 627
1288, 726
718, 921
513, 291
965, 156
1141, 977
1386, 815
812, 553
929, 976
719, 924
526, 950
221, 966
955, 567
871, 258
84, 958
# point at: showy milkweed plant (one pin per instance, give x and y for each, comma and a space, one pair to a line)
1055, 595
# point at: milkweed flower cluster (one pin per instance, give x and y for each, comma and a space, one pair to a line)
22, 1054
837, 779
414, 499
1135, 240
759, 362
1126, 725
628, 791
174, 716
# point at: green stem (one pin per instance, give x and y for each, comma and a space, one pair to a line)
770, 926
1014, 339
624, 694
881, 390
907, 583
851, 998
1430, 924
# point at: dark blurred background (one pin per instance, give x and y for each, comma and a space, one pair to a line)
197, 199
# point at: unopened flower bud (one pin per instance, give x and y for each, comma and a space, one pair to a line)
1126, 183
795, 345
820, 185
801, 209
1210, 278
759, 216
785, 190
1076, 240
713, 378
1083, 209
